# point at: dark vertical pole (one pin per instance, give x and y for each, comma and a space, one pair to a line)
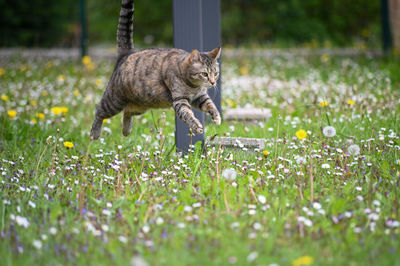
196, 26
82, 8
187, 36
386, 36
211, 11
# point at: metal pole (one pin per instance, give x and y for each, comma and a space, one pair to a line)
83, 20
196, 26
386, 36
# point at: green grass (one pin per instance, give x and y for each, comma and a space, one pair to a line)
119, 198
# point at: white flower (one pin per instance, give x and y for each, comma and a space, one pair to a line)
329, 131
122, 239
37, 244
252, 256
229, 174
138, 261
325, 166
262, 199
53, 230
22, 221
316, 205
300, 159
354, 149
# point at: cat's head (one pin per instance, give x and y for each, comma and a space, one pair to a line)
203, 68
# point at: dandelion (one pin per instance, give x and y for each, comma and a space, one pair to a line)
33, 102
99, 82
68, 144
33, 121
4, 97
329, 131
2, 71
325, 58
12, 113
323, 104
76, 93
40, 116
304, 260
354, 149
265, 153
59, 110
61, 78
45, 93
229, 174
301, 134
244, 71
86, 60
350, 102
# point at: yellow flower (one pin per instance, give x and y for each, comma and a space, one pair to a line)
325, 58
265, 153
68, 144
40, 116
34, 121
12, 113
33, 102
99, 82
61, 78
350, 102
44, 93
90, 66
76, 92
301, 134
105, 120
304, 260
2, 71
86, 60
243, 70
230, 102
323, 104
59, 110
4, 97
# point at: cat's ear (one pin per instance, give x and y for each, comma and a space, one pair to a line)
195, 56
216, 53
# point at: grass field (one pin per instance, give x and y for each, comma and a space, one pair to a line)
316, 195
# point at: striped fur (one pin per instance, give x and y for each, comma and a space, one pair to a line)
156, 78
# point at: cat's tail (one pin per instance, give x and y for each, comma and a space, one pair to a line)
125, 28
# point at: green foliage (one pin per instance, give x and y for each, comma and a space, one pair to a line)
40, 22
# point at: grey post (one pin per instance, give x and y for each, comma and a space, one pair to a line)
196, 26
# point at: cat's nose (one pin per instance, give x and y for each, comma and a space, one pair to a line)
212, 81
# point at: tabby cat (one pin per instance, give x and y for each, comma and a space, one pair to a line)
156, 78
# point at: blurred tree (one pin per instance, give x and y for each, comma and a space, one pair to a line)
36, 22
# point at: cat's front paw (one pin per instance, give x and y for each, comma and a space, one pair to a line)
217, 119
197, 128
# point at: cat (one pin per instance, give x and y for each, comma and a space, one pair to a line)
156, 78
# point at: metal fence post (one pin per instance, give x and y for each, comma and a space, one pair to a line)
196, 26
83, 20
386, 34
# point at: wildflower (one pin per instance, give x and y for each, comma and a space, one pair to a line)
37, 244
22, 221
44, 93
99, 82
300, 159
138, 261
40, 116
12, 113
4, 97
33, 102
86, 60
325, 58
329, 131
59, 110
33, 121
265, 153
301, 134
76, 93
105, 120
325, 166
354, 149
304, 260
61, 78
2, 71
230, 102
229, 174
90, 66
350, 102
252, 256
262, 199
244, 71
323, 104
68, 144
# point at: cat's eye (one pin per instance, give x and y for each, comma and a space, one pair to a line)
204, 74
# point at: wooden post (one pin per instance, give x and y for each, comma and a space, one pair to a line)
196, 26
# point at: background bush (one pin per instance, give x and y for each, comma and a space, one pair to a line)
47, 23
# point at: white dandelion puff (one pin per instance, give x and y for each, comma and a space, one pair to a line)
354, 149
329, 131
229, 174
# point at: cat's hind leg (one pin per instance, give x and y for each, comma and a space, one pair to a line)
110, 105
127, 121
